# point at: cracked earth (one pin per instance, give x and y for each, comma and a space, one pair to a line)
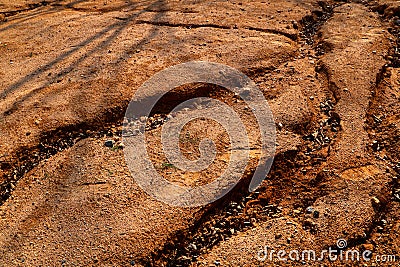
68, 69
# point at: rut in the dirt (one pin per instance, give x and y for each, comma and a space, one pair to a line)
240, 210
183, 253
54, 142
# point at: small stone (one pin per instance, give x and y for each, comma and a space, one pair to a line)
397, 22
376, 201
217, 263
309, 210
143, 119
289, 240
232, 231
316, 214
37, 122
296, 211
374, 52
132, 263
311, 98
109, 143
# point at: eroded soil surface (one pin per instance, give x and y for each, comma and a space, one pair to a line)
68, 69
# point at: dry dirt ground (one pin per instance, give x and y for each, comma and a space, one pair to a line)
68, 69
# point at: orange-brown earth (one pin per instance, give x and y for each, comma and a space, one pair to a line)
68, 69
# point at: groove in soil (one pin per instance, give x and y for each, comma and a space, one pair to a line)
53, 142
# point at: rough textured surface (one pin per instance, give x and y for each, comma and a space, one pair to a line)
84, 210
330, 72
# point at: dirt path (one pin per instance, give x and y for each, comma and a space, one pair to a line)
68, 69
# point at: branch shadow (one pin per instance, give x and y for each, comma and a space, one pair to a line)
117, 29
36, 12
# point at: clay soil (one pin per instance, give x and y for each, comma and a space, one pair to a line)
330, 71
